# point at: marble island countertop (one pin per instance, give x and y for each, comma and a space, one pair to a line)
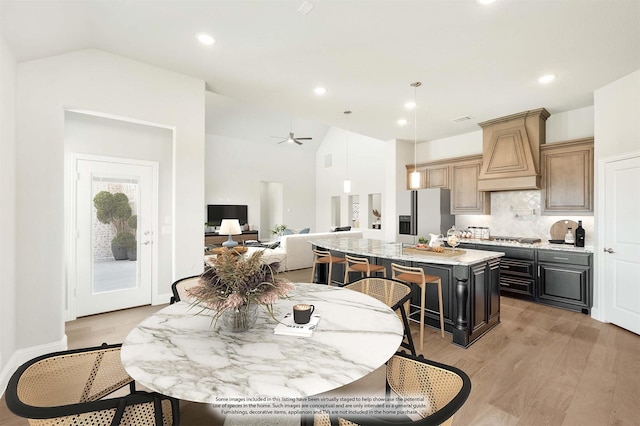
393, 250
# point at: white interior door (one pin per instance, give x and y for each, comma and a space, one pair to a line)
622, 243
104, 280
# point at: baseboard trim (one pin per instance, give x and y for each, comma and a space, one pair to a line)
21, 356
161, 299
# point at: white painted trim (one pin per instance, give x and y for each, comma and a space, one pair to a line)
120, 118
71, 223
601, 312
21, 356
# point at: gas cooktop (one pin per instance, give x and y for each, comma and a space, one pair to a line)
521, 240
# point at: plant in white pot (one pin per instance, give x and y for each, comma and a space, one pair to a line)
278, 230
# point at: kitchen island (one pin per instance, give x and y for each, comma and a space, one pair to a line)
470, 282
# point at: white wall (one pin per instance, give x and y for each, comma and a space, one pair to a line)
89, 134
96, 81
574, 124
7, 211
235, 169
617, 133
562, 126
367, 170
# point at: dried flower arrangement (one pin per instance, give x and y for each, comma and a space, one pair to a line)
233, 281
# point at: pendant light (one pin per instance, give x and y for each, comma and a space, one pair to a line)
414, 177
347, 183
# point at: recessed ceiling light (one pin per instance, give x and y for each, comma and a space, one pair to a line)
320, 91
485, 2
205, 38
402, 122
546, 78
410, 105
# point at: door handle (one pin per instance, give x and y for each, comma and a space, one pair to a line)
146, 243
609, 250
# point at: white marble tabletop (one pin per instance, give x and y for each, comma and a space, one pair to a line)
178, 352
393, 250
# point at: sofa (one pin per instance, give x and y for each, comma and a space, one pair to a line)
294, 251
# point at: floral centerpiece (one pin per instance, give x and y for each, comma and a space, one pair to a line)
235, 285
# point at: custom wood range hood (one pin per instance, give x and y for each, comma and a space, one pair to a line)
511, 151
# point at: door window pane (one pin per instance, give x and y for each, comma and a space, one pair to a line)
114, 234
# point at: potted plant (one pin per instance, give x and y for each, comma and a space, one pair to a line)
234, 286
114, 209
132, 249
123, 242
278, 230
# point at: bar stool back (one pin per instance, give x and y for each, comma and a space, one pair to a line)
322, 257
417, 276
362, 265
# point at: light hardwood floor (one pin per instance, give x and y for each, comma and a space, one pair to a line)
540, 366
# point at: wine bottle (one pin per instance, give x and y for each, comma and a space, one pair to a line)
579, 235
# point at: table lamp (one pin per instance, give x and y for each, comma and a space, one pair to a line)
230, 227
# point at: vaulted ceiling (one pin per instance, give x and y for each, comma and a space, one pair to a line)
473, 60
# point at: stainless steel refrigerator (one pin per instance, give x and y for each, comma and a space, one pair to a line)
430, 214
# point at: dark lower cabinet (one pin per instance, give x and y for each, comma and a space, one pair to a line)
565, 286
564, 280
484, 288
551, 277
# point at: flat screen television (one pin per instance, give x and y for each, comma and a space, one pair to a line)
217, 212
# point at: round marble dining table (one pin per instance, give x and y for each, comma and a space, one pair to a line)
179, 352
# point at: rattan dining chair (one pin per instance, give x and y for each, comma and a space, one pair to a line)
179, 288
75, 387
392, 293
430, 391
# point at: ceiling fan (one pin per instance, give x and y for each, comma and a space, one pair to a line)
291, 138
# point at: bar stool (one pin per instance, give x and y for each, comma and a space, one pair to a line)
324, 257
417, 276
362, 265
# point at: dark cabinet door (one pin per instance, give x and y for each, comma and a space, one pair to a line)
484, 292
493, 267
564, 285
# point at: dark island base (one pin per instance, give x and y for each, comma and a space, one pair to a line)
471, 296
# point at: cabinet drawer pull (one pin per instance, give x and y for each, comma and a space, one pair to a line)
560, 258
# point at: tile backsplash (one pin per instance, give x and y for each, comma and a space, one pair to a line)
517, 214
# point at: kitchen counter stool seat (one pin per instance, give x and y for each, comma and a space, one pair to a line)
417, 276
362, 265
324, 257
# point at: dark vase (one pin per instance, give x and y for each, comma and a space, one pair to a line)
119, 252
132, 254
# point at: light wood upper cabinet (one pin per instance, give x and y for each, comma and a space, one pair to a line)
567, 177
437, 176
465, 196
460, 175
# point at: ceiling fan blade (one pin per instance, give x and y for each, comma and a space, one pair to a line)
304, 139
298, 142
282, 141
